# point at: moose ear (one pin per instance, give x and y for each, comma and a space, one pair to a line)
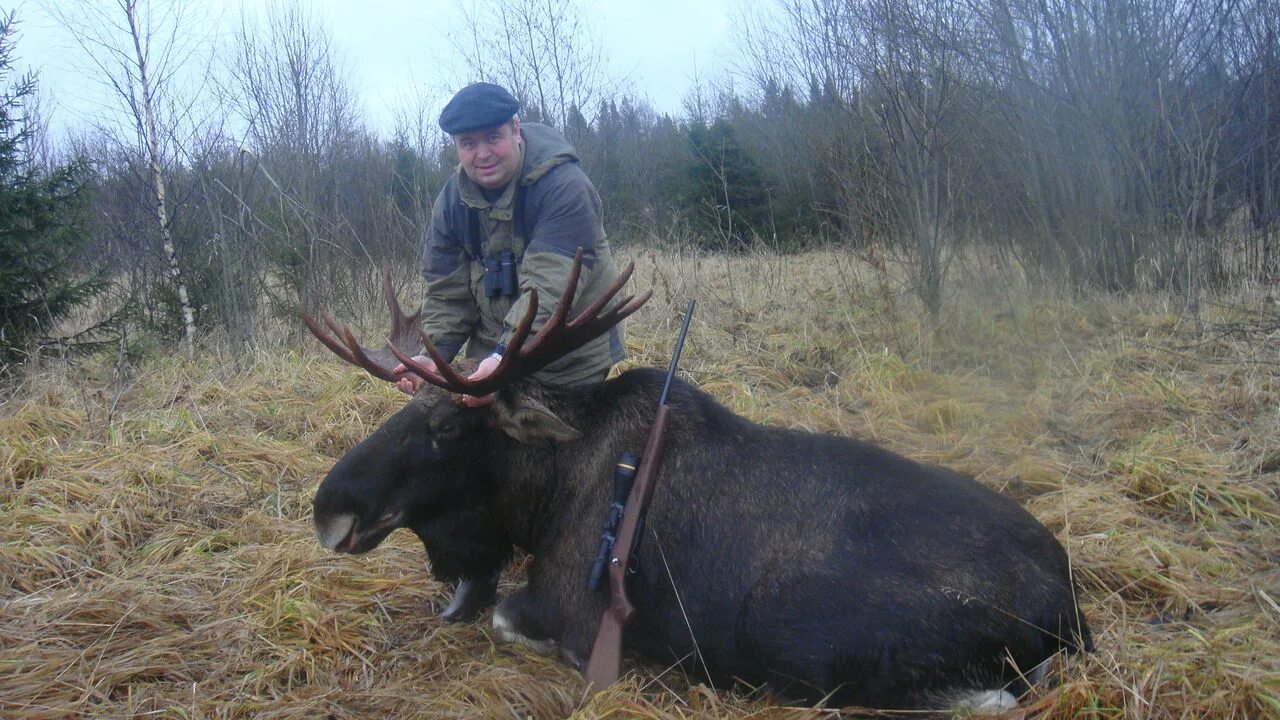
526, 420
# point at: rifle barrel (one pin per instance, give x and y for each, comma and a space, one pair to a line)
675, 356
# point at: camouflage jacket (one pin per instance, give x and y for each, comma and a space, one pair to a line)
543, 215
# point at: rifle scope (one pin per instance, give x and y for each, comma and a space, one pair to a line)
624, 474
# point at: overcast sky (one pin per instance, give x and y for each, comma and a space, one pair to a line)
389, 47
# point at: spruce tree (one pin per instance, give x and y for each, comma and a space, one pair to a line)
40, 232
725, 184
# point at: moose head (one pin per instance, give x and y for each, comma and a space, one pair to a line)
423, 460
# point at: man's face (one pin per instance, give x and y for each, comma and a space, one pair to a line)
490, 157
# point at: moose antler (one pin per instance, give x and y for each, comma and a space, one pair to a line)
379, 363
556, 339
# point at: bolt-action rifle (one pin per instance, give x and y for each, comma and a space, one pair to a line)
606, 655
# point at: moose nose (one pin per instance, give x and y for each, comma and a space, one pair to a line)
332, 530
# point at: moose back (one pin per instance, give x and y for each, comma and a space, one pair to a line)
829, 568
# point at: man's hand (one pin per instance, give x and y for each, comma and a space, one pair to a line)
487, 366
410, 382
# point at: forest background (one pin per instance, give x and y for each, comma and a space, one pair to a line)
1113, 145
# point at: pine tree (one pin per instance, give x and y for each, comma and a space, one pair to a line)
39, 226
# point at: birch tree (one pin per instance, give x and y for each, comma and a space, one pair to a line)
146, 53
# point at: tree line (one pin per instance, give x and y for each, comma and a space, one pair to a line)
1115, 144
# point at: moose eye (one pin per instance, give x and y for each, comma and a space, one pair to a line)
439, 440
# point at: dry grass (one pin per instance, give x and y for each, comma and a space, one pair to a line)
156, 557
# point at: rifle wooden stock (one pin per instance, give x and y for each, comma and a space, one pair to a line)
606, 655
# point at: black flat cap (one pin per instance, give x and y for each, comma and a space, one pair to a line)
476, 107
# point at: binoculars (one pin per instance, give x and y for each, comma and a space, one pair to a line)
500, 275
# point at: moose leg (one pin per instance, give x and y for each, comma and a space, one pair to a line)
517, 620
468, 547
566, 607
554, 611
577, 642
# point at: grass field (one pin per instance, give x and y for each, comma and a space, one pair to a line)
157, 559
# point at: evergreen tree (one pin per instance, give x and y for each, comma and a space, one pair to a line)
39, 232
725, 185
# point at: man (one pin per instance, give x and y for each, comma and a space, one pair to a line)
510, 220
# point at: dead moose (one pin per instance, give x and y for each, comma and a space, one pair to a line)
831, 569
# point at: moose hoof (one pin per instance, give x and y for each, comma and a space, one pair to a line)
470, 599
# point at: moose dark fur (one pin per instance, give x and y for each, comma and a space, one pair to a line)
829, 568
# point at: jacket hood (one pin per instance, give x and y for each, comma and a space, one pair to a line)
544, 148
